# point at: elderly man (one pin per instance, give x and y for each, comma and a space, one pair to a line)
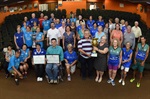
129, 37
137, 31
33, 19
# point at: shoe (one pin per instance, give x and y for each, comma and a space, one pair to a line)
69, 78
7, 75
38, 79
113, 83
55, 82
132, 80
48, 81
17, 81
100, 80
138, 85
120, 81
51, 81
41, 79
109, 81
96, 79
123, 83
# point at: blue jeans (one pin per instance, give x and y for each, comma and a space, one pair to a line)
52, 71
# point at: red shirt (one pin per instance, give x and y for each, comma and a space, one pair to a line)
41, 20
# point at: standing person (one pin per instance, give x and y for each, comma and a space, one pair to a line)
62, 31
26, 20
28, 38
73, 18
117, 34
123, 26
100, 62
116, 22
90, 22
39, 68
137, 31
70, 58
126, 62
10, 52
33, 19
68, 22
19, 38
141, 54
57, 23
14, 66
80, 33
46, 25
114, 60
107, 33
73, 27
78, 21
39, 37
41, 19
100, 21
24, 27
34, 27
85, 49
100, 33
52, 18
129, 37
68, 38
110, 25
53, 33
93, 30
52, 68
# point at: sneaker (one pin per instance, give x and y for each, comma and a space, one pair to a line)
69, 78
38, 79
109, 81
7, 75
120, 81
96, 79
51, 81
132, 80
138, 85
100, 80
55, 82
47, 78
41, 79
123, 83
113, 83
17, 81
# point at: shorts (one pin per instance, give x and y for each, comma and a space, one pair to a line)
126, 69
113, 67
138, 66
72, 69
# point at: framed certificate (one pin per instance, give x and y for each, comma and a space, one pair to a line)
52, 58
39, 59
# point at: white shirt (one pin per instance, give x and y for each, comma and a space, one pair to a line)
53, 33
137, 31
62, 31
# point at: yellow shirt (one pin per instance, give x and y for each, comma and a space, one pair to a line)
137, 31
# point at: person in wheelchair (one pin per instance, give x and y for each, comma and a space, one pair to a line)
70, 58
52, 69
13, 66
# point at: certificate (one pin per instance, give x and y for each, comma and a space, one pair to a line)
52, 58
39, 59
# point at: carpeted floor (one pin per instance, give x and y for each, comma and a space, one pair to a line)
76, 89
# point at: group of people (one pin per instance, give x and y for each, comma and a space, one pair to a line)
68, 36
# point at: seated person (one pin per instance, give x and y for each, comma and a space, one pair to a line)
25, 55
70, 58
14, 66
52, 68
39, 68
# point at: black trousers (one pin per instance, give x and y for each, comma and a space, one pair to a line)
39, 69
6, 67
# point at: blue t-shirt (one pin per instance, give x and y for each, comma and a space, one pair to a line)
34, 20
99, 36
51, 20
19, 39
125, 56
78, 28
70, 57
13, 62
46, 25
28, 38
39, 37
23, 29
73, 20
41, 52
101, 23
90, 23
58, 25
93, 31
124, 28
24, 54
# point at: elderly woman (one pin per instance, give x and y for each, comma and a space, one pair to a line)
114, 60
10, 52
25, 55
39, 37
85, 49
80, 33
68, 38
70, 58
100, 63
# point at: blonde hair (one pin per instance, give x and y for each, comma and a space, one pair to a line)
69, 45
118, 43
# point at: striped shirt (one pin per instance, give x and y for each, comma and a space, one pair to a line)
86, 46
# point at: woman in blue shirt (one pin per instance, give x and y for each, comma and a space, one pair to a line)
90, 22
70, 58
18, 38
39, 37
100, 33
28, 38
94, 29
25, 55
80, 34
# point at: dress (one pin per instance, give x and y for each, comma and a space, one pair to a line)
101, 60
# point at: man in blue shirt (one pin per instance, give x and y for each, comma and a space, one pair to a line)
46, 25
33, 19
14, 66
52, 18
52, 68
